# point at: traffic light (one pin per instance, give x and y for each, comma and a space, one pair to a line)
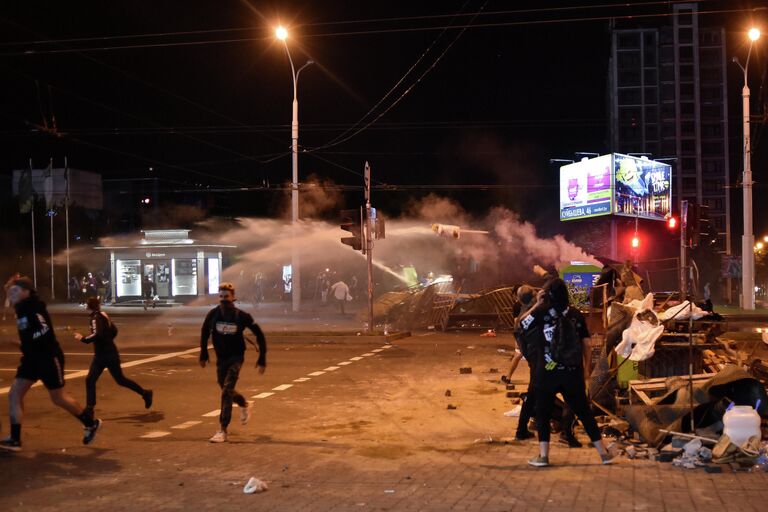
351, 220
635, 242
672, 222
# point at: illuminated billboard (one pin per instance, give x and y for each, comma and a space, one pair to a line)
585, 188
642, 188
615, 184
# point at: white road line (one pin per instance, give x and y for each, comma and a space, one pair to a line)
212, 413
263, 395
316, 374
302, 379
377, 350
282, 387
386, 347
186, 425
367, 354
83, 373
331, 369
155, 434
344, 363
357, 358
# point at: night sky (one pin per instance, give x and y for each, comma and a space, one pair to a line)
211, 107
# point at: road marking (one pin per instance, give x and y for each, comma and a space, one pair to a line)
302, 379
357, 358
83, 373
367, 354
186, 424
331, 369
377, 350
212, 413
386, 346
344, 363
155, 434
282, 387
263, 395
316, 374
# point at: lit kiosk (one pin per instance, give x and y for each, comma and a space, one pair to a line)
180, 267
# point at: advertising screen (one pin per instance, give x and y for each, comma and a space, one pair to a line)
585, 188
128, 278
642, 188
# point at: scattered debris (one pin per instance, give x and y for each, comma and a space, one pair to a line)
493, 370
465, 369
501, 351
451, 407
514, 413
447, 392
389, 491
254, 485
489, 334
513, 394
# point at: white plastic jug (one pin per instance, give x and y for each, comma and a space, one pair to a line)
740, 423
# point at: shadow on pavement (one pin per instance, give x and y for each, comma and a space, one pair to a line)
50, 466
144, 417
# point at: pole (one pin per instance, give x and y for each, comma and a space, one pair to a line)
295, 257
66, 222
34, 254
748, 239
53, 293
369, 244
690, 361
683, 246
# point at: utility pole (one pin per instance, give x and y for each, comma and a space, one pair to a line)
683, 247
369, 244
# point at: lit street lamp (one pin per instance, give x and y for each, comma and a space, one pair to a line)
748, 238
282, 34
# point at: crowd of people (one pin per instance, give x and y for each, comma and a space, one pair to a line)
551, 335
42, 359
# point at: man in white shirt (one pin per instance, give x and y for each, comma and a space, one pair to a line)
340, 292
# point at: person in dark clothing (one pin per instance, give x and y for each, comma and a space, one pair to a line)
555, 334
225, 324
106, 356
42, 359
526, 296
148, 290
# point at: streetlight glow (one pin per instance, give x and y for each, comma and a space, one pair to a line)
282, 34
754, 34
759, 246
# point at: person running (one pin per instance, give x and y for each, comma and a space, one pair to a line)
225, 324
106, 356
556, 335
42, 359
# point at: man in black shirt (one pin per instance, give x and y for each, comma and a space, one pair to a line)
105, 355
42, 359
225, 324
555, 334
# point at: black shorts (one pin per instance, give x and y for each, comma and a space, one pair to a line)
47, 368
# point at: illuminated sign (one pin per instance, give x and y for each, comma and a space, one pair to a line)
615, 184
585, 188
642, 188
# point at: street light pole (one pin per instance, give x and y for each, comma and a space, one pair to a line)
748, 238
282, 35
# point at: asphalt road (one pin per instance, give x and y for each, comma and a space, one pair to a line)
340, 423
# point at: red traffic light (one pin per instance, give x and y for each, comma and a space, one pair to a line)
635, 242
672, 222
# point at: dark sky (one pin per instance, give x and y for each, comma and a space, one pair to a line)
500, 102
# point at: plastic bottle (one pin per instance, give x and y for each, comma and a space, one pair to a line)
740, 423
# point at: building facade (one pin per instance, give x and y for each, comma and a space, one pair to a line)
668, 99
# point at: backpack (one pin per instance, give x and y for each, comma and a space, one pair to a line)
567, 346
111, 326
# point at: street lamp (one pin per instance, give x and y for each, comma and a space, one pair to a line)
282, 34
748, 238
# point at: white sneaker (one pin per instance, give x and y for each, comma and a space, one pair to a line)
245, 412
219, 437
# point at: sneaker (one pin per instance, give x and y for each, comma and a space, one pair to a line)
522, 436
10, 444
148, 394
245, 413
608, 458
539, 461
570, 440
90, 432
219, 437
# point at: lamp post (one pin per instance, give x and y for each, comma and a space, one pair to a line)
748, 238
282, 34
